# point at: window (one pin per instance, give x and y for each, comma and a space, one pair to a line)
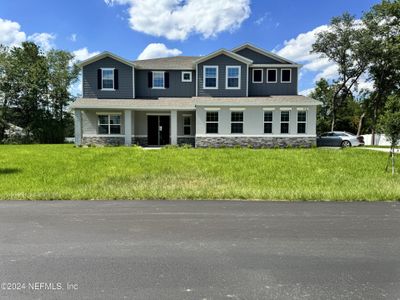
186, 76
236, 122
107, 79
268, 121
286, 75
109, 124
212, 122
232, 77
285, 118
257, 75
158, 80
301, 121
186, 125
271, 76
210, 77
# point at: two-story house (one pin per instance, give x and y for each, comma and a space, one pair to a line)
246, 96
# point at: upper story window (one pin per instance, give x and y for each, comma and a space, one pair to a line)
107, 79
301, 121
272, 75
268, 118
212, 122
257, 75
187, 120
236, 122
286, 75
186, 76
285, 119
158, 80
233, 77
210, 77
109, 124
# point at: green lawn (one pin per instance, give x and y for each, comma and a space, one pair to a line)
65, 172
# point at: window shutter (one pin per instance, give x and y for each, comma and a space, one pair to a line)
116, 79
150, 79
99, 79
166, 79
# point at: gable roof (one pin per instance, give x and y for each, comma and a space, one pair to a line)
104, 55
227, 53
167, 63
263, 52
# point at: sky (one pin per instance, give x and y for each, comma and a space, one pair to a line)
140, 29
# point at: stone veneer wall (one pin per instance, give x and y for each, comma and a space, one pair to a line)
186, 140
256, 142
103, 140
141, 141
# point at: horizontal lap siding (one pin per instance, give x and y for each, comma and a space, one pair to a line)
257, 58
264, 88
222, 61
125, 89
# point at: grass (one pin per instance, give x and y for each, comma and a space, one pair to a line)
65, 172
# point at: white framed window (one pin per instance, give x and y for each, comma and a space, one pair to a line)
158, 80
285, 119
232, 80
186, 76
286, 75
187, 124
301, 121
258, 75
272, 75
210, 77
109, 123
237, 122
107, 79
268, 119
212, 122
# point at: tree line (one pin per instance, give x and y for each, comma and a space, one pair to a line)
34, 93
361, 48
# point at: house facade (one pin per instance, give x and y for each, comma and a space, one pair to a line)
241, 97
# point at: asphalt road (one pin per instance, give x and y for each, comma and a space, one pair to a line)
199, 250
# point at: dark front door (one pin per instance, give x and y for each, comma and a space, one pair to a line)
158, 130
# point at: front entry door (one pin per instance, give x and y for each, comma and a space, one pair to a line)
158, 129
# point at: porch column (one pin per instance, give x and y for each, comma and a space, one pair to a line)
78, 127
128, 127
174, 127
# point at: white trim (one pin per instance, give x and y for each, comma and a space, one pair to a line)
133, 82
190, 124
104, 55
197, 80
268, 108
284, 122
239, 77
238, 122
285, 108
107, 113
262, 75
302, 122
302, 108
276, 76
254, 135
113, 79
275, 66
290, 81
268, 122
152, 80
158, 114
108, 124
186, 136
212, 108
183, 75
204, 77
227, 53
263, 52
103, 135
247, 81
212, 122
237, 108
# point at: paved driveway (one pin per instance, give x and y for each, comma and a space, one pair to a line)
199, 250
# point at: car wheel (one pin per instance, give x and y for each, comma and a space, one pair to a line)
346, 144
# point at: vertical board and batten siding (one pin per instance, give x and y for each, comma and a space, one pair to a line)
256, 57
125, 80
222, 61
278, 88
177, 88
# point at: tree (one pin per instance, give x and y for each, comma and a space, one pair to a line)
382, 27
344, 44
390, 125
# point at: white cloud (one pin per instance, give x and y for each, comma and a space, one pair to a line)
83, 54
306, 92
156, 50
44, 40
177, 19
10, 34
73, 37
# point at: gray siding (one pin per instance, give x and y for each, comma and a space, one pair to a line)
177, 88
222, 61
256, 57
125, 89
265, 89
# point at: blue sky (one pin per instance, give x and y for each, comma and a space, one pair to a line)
196, 27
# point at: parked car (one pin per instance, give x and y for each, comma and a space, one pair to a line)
339, 139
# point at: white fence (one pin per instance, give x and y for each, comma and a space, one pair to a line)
380, 140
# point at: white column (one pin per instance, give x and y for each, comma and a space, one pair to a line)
78, 127
128, 127
174, 127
